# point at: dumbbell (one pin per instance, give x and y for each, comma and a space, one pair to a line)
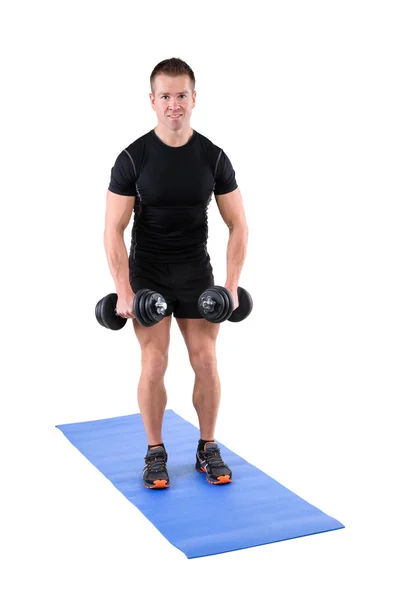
149, 308
216, 304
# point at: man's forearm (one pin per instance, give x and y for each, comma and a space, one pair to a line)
236, 253
118, 261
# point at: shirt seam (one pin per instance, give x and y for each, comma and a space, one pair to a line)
134, 167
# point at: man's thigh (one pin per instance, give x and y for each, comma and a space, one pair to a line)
155, 339
199, 335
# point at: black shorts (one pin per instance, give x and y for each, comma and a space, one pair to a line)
181, 284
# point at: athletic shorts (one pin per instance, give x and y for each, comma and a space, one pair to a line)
181, 284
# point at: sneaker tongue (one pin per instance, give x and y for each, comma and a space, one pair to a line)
210, 446
155, 449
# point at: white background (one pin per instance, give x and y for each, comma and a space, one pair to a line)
303, 98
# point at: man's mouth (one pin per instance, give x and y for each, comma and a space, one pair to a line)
175, 116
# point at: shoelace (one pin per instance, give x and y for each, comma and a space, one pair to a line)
156, 461
212, 457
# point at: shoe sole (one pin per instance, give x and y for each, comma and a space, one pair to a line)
159, 484
222, 479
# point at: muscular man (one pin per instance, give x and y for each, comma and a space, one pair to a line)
168, 177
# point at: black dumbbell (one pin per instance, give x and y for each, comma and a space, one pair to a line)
149, 308
216, 304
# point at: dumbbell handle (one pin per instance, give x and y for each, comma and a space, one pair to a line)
160, 306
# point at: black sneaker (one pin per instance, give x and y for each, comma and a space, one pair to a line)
210, 462
155, 473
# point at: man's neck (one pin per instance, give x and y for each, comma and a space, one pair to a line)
173, 138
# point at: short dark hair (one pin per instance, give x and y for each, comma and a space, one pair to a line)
172, 67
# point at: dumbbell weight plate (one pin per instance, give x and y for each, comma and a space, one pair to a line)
218, 308
98, 312
144, 308
137, 307
150, 308
245, 306
140, 307
223, 303
229, 303
105, 313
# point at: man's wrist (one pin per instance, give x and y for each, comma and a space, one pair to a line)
123, 289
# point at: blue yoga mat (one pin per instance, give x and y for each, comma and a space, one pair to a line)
252, 510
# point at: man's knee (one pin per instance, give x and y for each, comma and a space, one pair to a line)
203, 361
154, 364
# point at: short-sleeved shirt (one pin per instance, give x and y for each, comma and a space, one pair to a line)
173, 187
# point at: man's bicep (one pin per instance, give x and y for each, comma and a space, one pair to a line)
118, 211
231, 208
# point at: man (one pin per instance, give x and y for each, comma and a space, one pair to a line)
168, 177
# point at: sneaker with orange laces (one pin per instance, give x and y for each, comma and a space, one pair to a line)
210, 462
155, 473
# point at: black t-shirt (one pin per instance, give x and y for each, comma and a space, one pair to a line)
173, 187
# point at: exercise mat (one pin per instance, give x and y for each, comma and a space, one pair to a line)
198, 518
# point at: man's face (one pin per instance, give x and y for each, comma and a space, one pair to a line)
173, 97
